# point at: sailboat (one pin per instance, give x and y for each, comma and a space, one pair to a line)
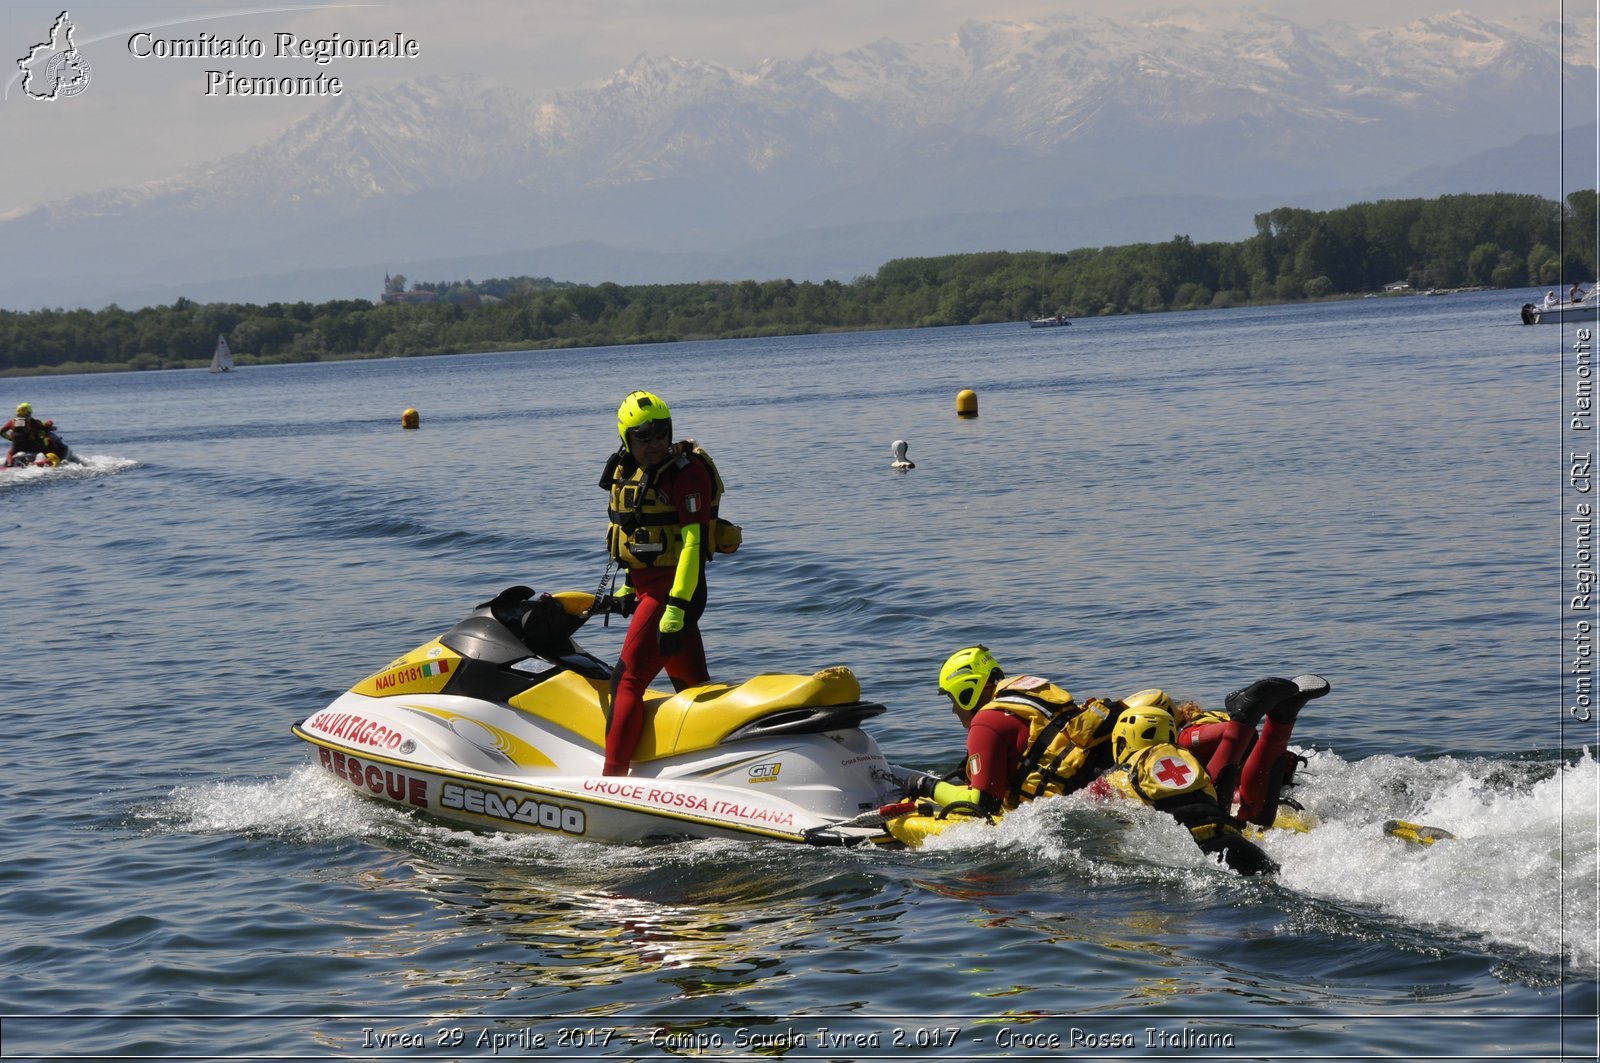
222, 358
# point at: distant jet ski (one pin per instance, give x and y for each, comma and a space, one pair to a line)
55, 452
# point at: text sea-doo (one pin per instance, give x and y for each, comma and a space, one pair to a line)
499, 724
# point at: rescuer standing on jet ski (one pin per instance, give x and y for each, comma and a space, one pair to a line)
664, 528
26, 434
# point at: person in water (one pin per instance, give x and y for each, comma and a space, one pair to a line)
1027, 738
663, 530
26, 434
1246, 768
1151, 767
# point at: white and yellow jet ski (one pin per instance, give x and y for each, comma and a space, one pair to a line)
499, 724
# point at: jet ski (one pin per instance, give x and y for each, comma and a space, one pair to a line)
55, 452
499, 725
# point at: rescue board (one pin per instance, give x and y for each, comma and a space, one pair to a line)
914, 828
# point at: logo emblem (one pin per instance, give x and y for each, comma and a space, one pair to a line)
55, 69
1173, 772
765, 772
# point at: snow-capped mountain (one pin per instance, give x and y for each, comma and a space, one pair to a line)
1043, 127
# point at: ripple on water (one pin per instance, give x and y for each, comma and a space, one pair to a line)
1184, 500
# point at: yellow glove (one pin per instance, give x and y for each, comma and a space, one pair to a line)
669, 632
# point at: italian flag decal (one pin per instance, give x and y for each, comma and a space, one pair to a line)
433, 668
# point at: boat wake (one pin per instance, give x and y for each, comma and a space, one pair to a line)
88, 466
309, 807
1523, 829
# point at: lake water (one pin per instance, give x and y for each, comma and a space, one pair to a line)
1375, 491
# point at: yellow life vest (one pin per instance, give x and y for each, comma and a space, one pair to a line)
1061, 736
1158, 772
644, 530
1195, 719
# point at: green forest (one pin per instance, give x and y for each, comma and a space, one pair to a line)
1499, 240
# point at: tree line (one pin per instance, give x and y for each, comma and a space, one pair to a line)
1499, 240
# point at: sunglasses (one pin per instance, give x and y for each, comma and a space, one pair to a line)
651, 431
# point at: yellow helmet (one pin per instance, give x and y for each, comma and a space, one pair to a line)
24, 409
1151, 698
639, 409
966, 673
1141, 728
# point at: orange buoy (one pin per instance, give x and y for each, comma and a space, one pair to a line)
966, 403
410, 419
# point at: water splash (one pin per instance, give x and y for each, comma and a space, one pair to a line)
1521, 872
88, 466
1523, 830
1522, 868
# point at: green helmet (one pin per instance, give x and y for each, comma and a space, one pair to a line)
638, 409
24, 409
1139, 728
966, 673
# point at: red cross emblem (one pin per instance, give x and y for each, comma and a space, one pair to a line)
1173, 772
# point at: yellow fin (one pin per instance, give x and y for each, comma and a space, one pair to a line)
1416, 833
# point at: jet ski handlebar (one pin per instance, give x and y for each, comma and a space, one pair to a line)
583, 603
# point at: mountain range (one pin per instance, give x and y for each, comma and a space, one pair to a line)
1077, 131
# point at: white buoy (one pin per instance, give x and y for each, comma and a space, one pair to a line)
900, 461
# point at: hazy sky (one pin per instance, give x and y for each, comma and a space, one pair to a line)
144, 118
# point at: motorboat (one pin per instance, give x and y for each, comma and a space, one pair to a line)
1051, 321
499, 725
1538, 313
